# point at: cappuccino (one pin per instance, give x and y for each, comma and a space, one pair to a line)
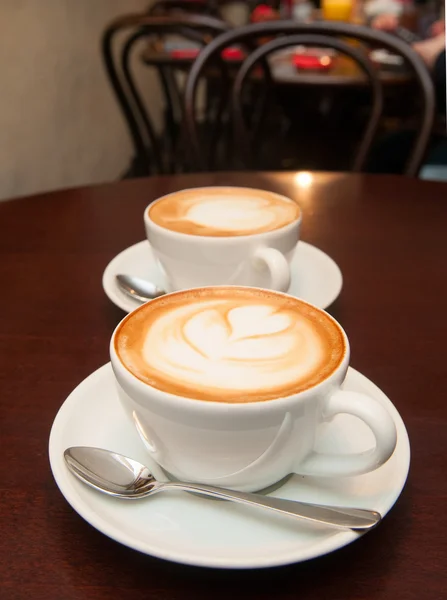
230, 344
223, 211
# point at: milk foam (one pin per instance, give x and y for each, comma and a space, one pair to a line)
223, 211
233, 348
235, 214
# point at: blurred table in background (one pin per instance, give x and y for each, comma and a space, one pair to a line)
343, 73
326, 104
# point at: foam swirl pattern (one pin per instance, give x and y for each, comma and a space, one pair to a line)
230, 345
223, 211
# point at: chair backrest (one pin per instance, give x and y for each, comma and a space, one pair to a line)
197, 28
289, 33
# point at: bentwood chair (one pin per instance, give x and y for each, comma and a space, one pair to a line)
247, 131
152, 153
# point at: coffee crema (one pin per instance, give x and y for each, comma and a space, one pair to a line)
223, 211
230, 344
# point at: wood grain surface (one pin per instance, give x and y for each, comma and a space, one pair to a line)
389, 237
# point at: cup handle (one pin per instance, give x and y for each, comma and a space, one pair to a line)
372, 414
278, 267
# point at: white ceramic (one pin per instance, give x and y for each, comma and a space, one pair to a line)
194, 530
257, 260
316, 278
249, 446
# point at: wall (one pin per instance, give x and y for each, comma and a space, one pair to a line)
59, 123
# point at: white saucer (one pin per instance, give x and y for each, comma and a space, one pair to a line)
198, 531
316, 278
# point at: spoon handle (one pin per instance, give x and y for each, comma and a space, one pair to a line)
352, 518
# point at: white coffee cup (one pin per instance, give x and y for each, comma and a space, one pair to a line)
249, 446
255, 259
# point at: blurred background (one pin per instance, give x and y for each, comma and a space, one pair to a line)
60, 122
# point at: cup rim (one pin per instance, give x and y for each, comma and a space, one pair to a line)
182, 402
216, 239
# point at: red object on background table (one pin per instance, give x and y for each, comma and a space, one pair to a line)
263, 13
185, 53
388, 236
227, 53
312, 62
233, 54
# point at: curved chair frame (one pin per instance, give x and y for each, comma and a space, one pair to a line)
330, 33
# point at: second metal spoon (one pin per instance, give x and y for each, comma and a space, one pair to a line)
123, 477
139, 289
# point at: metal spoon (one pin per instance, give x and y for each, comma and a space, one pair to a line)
123, 477
138, 289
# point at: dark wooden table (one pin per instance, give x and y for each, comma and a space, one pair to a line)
388, 235
345, 73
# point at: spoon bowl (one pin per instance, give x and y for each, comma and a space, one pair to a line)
123, 477
138, 289
109, 472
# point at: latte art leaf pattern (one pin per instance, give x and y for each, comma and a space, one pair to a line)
223, 211
226, 348
238, 335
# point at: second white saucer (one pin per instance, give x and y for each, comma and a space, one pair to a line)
316, 278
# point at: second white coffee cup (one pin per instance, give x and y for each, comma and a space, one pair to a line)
215, 250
